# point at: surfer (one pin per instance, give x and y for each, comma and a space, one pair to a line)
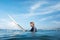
33, 29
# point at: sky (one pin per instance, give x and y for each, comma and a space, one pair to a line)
44, 13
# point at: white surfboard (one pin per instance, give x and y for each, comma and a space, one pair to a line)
16, 23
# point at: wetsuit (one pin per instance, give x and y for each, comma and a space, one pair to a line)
33, 29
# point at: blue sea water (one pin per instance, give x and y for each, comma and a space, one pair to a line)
39, 35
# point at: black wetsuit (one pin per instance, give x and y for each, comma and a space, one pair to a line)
33, 29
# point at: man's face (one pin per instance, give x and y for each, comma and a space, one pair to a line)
31, 24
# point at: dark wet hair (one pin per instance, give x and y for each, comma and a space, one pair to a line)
31, 22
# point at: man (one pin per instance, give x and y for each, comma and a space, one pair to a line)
33, 29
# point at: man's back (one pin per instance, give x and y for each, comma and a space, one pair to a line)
33, 30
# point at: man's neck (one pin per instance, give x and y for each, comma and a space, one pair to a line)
33, 27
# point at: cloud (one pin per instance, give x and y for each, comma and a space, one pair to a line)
46, 18
49, 17
56, 22
36, 6
47, 10
51, 9
7, 24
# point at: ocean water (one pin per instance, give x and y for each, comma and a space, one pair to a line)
39, 35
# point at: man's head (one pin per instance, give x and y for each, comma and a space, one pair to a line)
32, 24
